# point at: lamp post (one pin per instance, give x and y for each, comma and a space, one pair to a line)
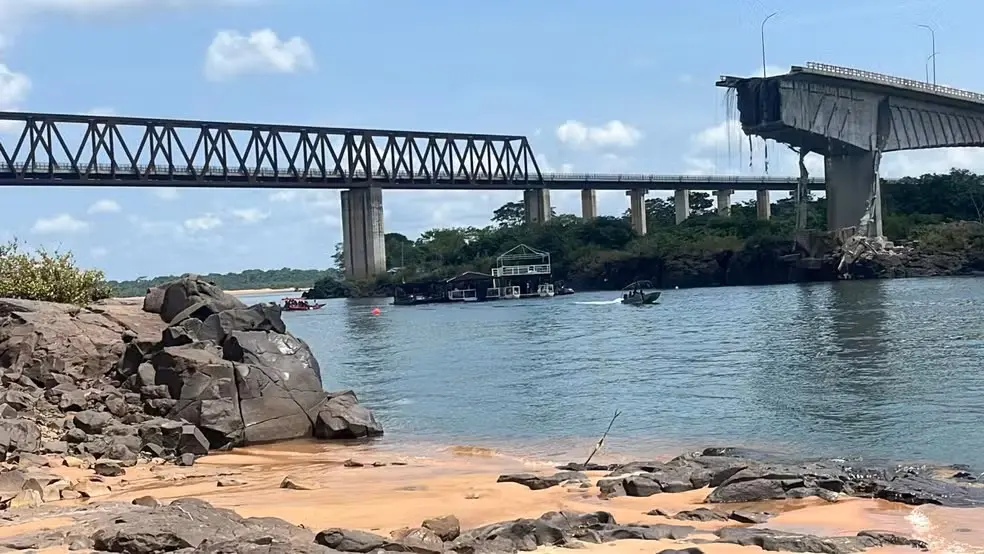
930, 57
764, 76
764, 21
932, 35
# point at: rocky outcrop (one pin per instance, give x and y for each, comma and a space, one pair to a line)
739, 476
187, 370
190, 525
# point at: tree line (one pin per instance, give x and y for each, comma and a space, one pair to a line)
283, 278
604, 251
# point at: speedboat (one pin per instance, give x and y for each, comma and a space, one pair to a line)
300, 305
636, 295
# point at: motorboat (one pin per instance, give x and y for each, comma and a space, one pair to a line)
300, 305
635, 294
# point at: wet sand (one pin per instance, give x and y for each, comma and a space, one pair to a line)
462, 481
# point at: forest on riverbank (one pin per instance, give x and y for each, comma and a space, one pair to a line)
940, 215
284, 278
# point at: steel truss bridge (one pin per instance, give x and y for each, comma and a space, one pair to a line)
38, 149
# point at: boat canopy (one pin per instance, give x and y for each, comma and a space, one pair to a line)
639, 285
470, 277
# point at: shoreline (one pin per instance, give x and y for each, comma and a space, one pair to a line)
461, 481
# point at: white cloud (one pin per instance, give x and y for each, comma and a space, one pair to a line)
284, 196
104, 206
205, 222
59, 224
14, 88
166, 193
155, 228
614, 134
250, 215
232, 54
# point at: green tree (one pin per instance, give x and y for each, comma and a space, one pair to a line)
338, 258
513, 214
700, 203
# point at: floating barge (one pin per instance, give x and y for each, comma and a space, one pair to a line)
522, 272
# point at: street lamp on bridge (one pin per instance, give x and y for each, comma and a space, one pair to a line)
932, 35
765, 74
930, 57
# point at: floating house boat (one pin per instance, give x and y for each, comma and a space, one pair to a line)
522, 272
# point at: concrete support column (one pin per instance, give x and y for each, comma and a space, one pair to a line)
589, 204
849, 186
763, 205
363, 243
681, 199
637, 210
724, 202
536, 205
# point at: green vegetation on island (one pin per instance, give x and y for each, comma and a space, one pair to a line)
284, 278
940, 215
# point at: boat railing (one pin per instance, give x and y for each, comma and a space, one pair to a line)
462, 294
517, 270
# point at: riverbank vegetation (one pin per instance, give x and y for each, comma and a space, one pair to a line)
941, 215
284, 278
48, 276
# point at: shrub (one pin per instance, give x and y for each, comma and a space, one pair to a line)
48, 276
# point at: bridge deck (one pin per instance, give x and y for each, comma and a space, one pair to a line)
95, 150
879, 82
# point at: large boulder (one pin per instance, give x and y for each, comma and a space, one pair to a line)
235, 372
191, 296
187, 369
38, 339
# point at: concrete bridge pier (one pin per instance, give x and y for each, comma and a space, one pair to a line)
724, 202
763, 204
589, 204
363, 243
637, 210
849, 187
681, 200
536, 205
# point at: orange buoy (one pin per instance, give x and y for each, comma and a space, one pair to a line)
376, 311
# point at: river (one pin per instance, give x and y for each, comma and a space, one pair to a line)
887, 370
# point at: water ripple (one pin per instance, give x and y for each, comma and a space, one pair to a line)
886, 369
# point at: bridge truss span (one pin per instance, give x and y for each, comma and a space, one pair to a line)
105, 150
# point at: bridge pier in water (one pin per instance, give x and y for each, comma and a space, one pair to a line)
536, 205
637, 210
849, 181
681, 200
589, 204
763, 205
363, 242
724, 202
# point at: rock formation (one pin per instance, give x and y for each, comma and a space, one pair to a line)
189, 525
190, 370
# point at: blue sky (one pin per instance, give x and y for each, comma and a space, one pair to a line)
623, 86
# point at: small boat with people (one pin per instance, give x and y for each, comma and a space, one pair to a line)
300, 305
635, 294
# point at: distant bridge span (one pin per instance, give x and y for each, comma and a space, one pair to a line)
113, 151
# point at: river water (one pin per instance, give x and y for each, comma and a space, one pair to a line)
888, 370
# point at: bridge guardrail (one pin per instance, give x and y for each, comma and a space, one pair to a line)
882, 78
103, 170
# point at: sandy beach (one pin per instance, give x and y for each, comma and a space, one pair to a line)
462, 481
